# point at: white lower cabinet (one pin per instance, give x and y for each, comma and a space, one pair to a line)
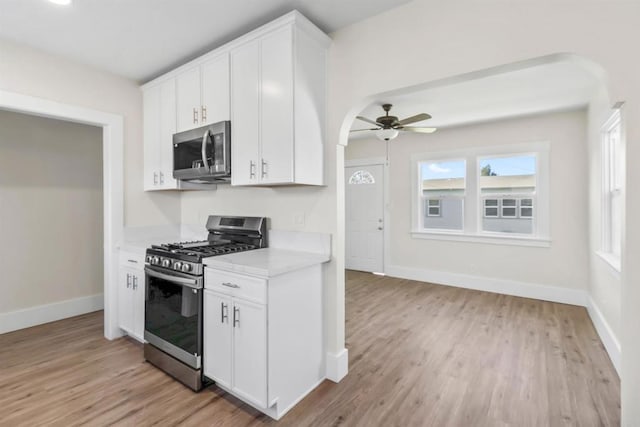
131, 296
263, 339
235, 351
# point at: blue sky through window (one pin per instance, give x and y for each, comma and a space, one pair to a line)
508, 166
443, 170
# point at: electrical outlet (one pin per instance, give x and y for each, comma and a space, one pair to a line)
298, 219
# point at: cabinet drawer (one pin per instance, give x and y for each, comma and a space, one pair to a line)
236, 285
132, 259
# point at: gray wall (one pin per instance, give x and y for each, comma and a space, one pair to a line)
50, 211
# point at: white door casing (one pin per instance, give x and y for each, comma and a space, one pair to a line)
364, 226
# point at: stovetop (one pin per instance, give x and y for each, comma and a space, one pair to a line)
203, 248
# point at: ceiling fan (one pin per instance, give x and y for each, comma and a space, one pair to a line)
388, 126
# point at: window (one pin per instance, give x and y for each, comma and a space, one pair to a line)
612, 186
491, 208
497, 194
507, 180
433, 207
362, 177
442, 190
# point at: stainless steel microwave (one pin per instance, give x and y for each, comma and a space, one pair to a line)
203, 155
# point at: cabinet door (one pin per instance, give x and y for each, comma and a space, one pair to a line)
215, 90
188, 99
167, 129
245, 113
137, 304
125, 301
151, 129
249, 322
217, 338
277, 107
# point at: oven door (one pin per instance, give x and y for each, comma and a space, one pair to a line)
203, 154
173, 314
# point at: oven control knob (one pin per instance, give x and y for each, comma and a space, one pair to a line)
166, 263
155, 260
177, 265
149, 259
186, 268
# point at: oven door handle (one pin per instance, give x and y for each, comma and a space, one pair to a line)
191, 283
205, 163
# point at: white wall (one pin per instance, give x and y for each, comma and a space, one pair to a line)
424, 41
50, 211
32, 72
565, 264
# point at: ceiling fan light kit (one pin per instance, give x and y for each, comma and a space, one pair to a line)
389, 126
386, 134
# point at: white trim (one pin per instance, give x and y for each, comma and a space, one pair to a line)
453, 236
499, 286
113, 193
608, 338
365, 162
32, 316
337, 365
613, 261
282, 413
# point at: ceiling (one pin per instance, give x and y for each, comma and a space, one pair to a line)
561, 85
141, 39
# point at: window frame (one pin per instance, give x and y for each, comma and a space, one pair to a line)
612, 173
473, 200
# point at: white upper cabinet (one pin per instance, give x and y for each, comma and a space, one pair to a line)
270, 83
203, 93
278, 104
159, 126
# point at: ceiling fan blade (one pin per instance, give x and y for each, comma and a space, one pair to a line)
364, 119
414, 119
361, 130
418, 130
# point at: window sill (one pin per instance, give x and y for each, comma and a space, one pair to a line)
454, 236
612, 260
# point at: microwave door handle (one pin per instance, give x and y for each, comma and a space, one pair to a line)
204, 149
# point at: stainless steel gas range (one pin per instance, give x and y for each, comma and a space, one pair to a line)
174, 278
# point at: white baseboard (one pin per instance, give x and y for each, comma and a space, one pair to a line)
499, 286
337, 365
32, 316
608, 338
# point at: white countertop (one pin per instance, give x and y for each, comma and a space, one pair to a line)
267, 262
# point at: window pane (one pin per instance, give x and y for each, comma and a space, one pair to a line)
443, 182
362, 177
508, 179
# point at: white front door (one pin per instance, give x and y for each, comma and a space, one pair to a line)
364, 217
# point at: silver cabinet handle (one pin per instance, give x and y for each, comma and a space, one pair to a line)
230, 285
128, 281
236, 316
380, 228
252, 169
161, 178
155, 178
264, 169
223, 316
195, 115
135, 282
133, 261
204, 114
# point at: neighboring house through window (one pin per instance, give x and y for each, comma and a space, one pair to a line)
493, 192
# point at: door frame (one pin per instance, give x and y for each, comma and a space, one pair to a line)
386, 217
113, 183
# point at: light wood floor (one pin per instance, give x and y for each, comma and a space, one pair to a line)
420, 355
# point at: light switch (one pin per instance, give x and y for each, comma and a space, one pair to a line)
298, 218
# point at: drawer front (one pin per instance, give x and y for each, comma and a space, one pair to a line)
236, 285
132, 259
